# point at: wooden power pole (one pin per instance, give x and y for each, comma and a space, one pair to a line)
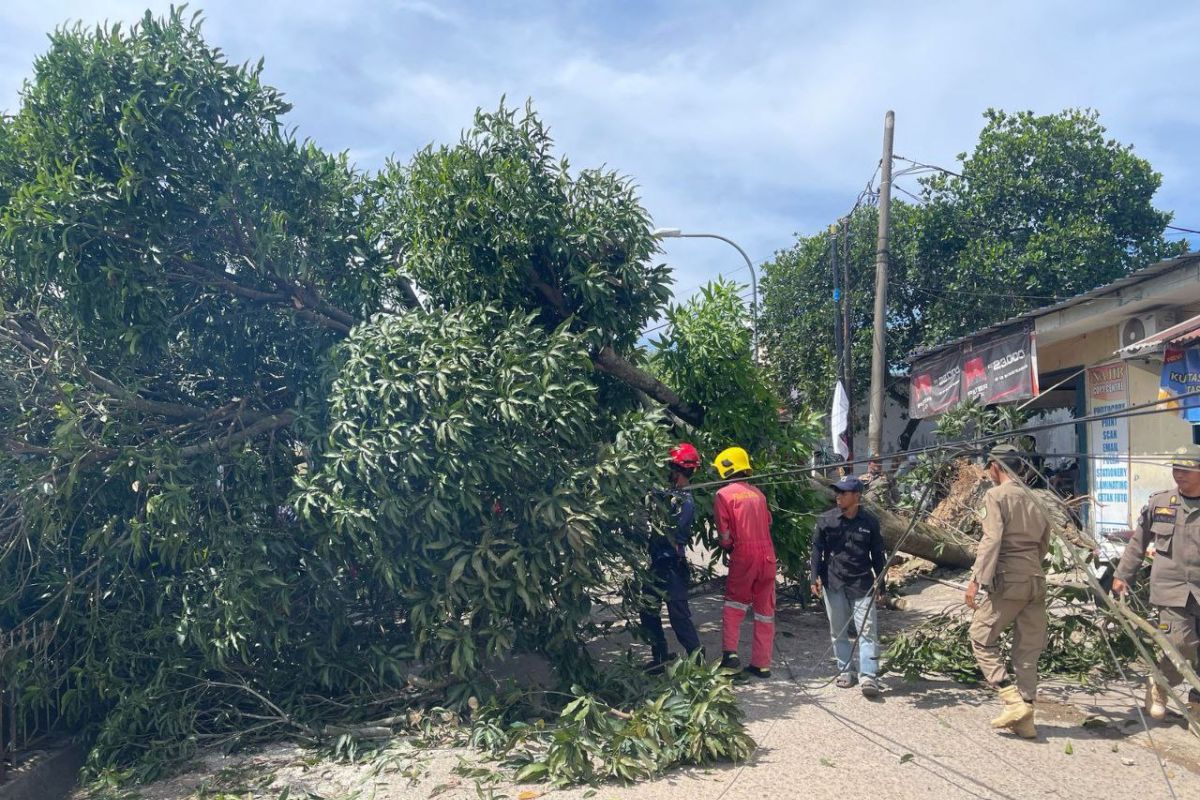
878, 341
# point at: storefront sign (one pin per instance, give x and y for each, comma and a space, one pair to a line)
1181, 375
1108, 442
998, 370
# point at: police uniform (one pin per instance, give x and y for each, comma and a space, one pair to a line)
1172, 523
1008, 564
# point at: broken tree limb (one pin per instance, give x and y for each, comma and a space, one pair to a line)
609, 361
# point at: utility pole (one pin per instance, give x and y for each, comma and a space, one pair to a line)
839, 341
847, 366
878, 341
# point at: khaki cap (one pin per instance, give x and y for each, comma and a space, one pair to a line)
1002, 450
1187, 457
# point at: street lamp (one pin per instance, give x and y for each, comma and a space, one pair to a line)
676, 233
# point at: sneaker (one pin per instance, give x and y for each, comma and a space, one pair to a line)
758, 672
730, 660
870, 687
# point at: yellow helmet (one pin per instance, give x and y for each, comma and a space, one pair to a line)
731, 460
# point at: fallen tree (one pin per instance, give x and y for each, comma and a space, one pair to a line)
286, 443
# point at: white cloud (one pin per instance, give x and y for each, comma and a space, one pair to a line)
751, 120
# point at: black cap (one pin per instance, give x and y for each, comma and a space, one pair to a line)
848, 484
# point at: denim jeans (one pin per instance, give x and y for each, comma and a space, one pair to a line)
838, 605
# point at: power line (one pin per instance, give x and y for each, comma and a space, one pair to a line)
933, 167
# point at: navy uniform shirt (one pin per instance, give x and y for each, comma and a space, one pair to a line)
847, 554
683, 512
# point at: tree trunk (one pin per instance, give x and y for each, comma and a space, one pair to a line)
609, 361
924, 541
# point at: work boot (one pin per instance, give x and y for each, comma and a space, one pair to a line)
1156, 700
758, 672
1017, 715
730, 660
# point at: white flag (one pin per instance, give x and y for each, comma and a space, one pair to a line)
839, 421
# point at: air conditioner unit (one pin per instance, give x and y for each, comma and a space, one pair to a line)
1137, 328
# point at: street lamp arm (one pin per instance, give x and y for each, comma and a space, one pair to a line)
673, 233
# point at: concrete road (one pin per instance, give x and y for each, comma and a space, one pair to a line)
919, 740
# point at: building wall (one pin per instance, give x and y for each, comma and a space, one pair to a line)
1087, 349
1151, 436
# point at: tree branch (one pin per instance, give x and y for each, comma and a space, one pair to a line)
609, 361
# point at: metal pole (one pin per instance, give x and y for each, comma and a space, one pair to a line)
878, 340
753, 280
838, 342
847, 335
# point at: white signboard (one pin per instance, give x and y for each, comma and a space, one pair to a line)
1108, 443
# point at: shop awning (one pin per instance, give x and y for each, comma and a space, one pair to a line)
1184, 333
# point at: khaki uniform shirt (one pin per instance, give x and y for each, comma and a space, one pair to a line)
1172, 523
1016, 536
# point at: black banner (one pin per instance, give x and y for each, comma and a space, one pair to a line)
997, 370
936, 385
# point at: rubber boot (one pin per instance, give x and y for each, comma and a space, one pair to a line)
1017, 715
1156, 701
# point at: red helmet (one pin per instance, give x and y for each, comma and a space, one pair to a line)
684, 455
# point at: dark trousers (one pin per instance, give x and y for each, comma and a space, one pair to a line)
670, 583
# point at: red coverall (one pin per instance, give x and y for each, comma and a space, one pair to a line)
744, 524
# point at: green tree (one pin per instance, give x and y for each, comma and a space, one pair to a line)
1044, 207
498, 218
204, 320
706, 353
797, 323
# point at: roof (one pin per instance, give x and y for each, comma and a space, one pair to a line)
1183, 333
1138, 276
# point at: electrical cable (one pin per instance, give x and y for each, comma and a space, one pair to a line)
969, 446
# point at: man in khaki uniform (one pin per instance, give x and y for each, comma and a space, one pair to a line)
1008, 564
1171, 520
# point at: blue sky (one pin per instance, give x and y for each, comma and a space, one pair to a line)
755, 120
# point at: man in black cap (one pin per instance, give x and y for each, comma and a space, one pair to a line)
1171, 521
847, 560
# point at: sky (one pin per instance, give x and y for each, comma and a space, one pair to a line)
757, 121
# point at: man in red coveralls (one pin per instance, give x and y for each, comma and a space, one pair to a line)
744, 526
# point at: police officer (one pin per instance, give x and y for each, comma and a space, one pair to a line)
668, 563
1008, 564
1171, 522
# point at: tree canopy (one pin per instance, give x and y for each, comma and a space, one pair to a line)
1043, 208
278, 430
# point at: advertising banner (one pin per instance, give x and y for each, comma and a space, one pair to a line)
1181, 375
997, 370
935, 386
1108, 391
